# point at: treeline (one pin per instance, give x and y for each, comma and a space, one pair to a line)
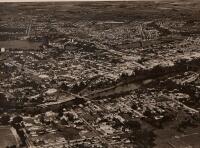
159, 71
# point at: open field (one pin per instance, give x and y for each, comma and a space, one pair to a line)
6, 137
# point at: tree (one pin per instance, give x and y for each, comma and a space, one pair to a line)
3, 100
133, 125
134, 106
60, 112
5, 119
17, 119
148, 113
144, 139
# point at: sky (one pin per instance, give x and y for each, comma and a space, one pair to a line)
89, 0
69, 0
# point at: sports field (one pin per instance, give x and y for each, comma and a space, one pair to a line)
7, 137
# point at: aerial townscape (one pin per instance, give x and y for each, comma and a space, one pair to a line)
100, 74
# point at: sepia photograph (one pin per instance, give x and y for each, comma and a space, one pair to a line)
99, 74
